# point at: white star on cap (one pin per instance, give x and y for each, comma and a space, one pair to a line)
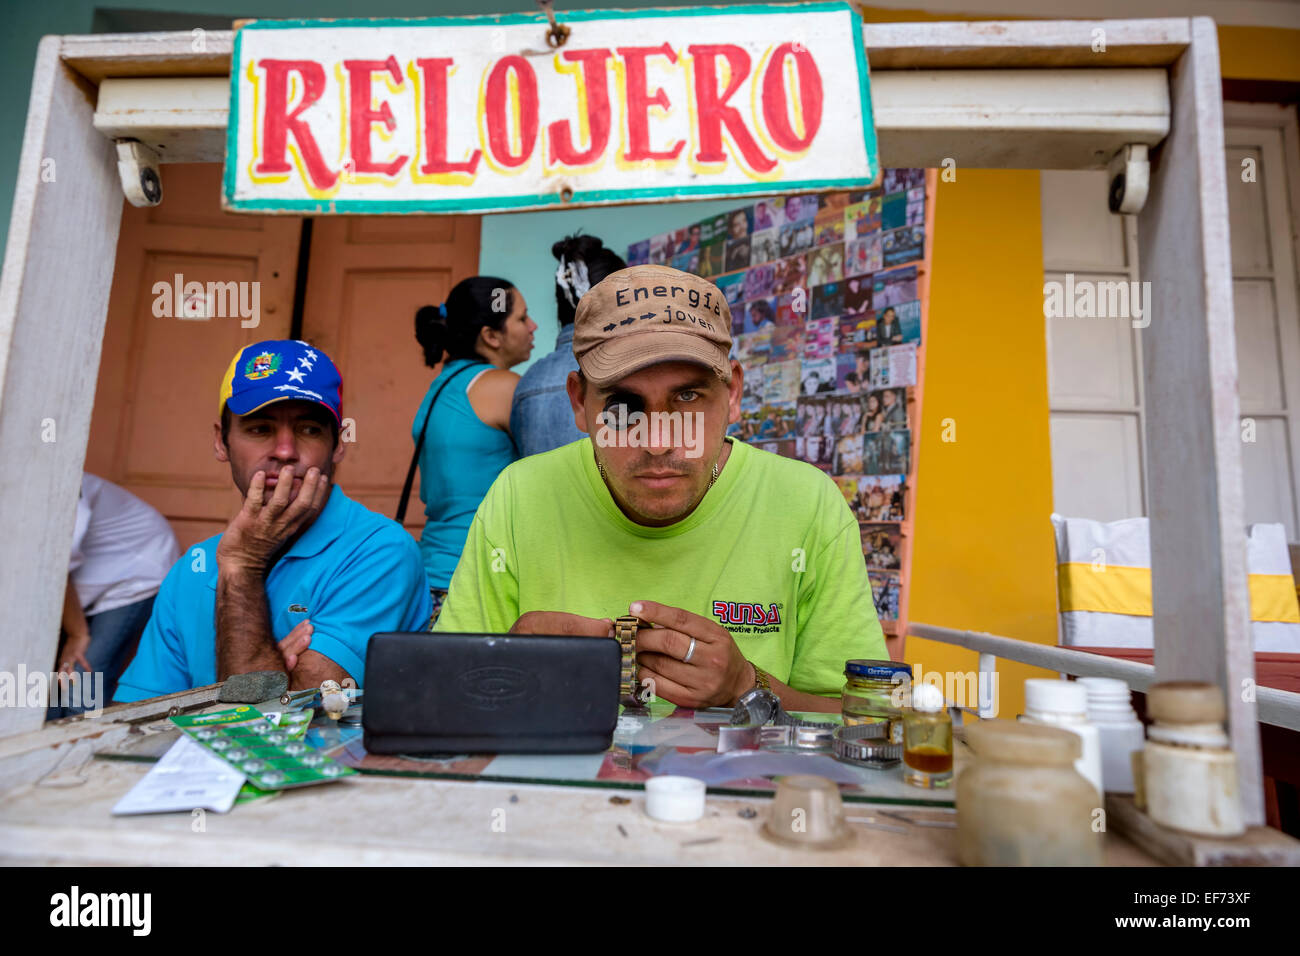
296, 375
305, 364
311, 355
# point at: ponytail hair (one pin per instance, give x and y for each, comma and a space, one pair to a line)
584, 261
450, 331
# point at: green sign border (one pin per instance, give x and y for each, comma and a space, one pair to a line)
547, 201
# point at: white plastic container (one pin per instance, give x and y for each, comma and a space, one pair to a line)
1110, 710
1189, 768
1064, 704
674, 799
1021, 802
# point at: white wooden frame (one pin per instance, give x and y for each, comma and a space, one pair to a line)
58, 268
1283, 120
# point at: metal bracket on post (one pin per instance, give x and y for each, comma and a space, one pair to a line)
1130, 178
140, 170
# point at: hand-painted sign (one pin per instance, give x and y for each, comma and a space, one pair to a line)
457, 114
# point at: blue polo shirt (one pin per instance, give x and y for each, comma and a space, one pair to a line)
354, 573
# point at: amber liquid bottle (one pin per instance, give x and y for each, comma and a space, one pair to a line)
927, 739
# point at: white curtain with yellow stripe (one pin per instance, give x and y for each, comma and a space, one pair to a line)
1104, 585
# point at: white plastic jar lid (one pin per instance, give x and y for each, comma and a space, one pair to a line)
1048, 695
674, 799
1105, 689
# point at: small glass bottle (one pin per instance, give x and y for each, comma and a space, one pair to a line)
927, 739
876, 692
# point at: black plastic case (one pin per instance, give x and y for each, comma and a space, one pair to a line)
490, 693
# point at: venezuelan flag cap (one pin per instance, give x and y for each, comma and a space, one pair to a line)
276, 371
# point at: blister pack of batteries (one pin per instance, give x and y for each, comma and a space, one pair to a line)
273, 756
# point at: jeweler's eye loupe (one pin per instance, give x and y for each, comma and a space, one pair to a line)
619, 409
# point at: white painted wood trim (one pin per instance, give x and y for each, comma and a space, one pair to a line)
1277, 181
53, 303
102, 55
1278, 707
1066, 119
984, 44
1198, 541
991, 44
182, 118
1257, 13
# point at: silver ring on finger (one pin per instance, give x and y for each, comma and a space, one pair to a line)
690, 651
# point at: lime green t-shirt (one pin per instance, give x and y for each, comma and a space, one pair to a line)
772, 553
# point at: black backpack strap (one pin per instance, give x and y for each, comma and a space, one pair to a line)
419, 444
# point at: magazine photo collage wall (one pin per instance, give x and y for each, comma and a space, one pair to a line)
826, 320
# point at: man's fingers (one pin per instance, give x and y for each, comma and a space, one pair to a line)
667, 688
256, 493
300, 508
297, 640
295, 643
669, 643
676, 618
683, 675
283, 488
322, 492
80, 658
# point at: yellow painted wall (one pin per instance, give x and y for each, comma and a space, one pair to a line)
983, 555
1259, 53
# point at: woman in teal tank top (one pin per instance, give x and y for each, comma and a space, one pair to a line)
474, 339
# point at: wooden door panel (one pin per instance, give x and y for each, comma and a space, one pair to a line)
368, 275
172, 360
156, 395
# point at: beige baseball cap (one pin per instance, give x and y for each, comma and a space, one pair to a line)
638, 317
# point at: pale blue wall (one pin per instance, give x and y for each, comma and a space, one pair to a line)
518, 246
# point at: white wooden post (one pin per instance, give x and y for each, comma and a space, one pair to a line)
54, 290
1189, 366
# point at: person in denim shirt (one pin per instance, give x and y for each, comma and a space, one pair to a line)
541, 417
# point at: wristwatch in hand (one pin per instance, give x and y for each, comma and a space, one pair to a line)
760, 705
756, 707
628, 686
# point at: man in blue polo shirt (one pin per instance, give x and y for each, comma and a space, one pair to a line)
303, 576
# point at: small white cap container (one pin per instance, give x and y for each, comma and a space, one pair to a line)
1064, 704
674, 799
1056, 697
927, 699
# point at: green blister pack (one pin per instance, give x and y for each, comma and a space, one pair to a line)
273, 757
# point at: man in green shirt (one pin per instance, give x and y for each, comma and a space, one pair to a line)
746, 566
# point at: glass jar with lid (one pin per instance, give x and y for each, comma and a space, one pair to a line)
1022, 802
876, 692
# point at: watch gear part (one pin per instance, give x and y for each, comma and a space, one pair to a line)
865, 745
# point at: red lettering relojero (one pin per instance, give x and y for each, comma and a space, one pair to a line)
434, 89
361, 117
278, 122
712, 112
595, 86
639, 101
